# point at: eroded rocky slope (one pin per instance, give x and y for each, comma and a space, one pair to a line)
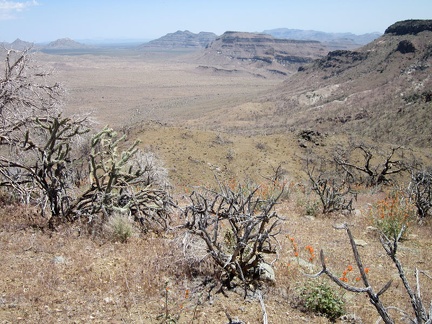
260, 53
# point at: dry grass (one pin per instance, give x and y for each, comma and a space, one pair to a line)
63, 276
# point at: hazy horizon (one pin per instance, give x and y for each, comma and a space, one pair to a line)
48, 20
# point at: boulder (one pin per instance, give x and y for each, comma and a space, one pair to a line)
266, 272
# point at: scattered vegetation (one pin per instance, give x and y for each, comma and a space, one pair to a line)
67, 174
420, 189
334, 192
393, 215
318, 297
40, 161
119, 228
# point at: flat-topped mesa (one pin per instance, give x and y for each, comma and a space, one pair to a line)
231, 37
182, 39
266, 48
410, 27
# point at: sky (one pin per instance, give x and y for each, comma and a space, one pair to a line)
47, 20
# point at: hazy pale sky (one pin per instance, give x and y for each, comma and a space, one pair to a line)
48, 20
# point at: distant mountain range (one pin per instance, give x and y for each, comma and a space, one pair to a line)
348, 38
187, 39
63, 43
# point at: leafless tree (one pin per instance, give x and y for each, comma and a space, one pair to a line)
374, 167
26, 91
29, 102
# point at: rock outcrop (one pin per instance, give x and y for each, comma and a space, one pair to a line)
410, 27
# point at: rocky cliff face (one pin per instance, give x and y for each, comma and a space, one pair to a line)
261, 52
182, 39
409, 27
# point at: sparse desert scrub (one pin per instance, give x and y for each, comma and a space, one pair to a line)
39, 156
75, 275
68, 275
119, 228
420, 312
333, 190
393, 215
239, 227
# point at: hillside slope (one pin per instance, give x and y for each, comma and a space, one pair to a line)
383, 90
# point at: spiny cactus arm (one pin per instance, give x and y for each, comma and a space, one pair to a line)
94, 177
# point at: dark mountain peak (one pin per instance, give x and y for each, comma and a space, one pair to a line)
410, 27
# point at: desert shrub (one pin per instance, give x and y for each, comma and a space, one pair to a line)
392, 214
119, 228
311, 207
153, 171
40, 167
420, 190
320, 298
239, 227
334, 192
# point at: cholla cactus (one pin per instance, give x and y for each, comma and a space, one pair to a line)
117, 184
